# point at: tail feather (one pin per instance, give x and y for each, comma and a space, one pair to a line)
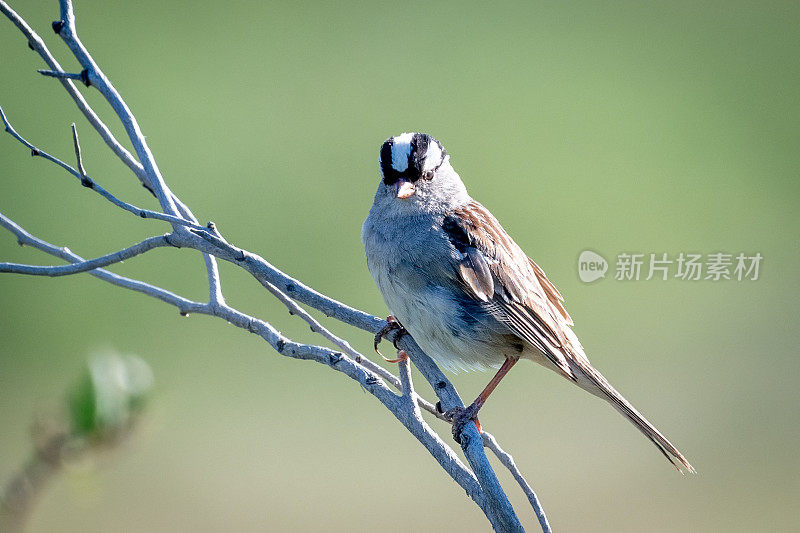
599, 386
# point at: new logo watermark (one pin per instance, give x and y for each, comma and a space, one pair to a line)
684, 266
591, 266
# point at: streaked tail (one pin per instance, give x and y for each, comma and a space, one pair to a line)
599, 386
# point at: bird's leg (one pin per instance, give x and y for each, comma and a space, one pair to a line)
460, 416
392, 324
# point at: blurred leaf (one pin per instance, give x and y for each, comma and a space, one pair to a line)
111, 392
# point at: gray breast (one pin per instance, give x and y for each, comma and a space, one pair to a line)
415, 271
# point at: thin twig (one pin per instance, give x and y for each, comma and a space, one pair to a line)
78, 158
96, 77
429, 407
508, 462
146, 245
317, 327
184, 305
215, 296
93, 75
37, 44
504, 518
81, 76
89, 183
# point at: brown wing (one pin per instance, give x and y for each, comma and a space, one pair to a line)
555, 298
516, 291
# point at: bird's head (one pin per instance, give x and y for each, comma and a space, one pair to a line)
416, 175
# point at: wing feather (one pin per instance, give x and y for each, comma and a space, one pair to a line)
475, 272
516, 291
529, 305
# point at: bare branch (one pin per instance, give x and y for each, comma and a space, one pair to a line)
93, 75
284, 346
89, 183
482, 486
405, 378
215, 296
317, 327
83, 266
66, 29
37, 44
184, 305
81, 76
508, 462
429, 407
472, 444
260, 269
215, 290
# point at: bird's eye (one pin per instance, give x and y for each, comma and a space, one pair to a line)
428, 175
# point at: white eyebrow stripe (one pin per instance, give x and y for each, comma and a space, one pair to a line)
433, 157
401, 149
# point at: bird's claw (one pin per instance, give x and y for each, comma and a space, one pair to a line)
392, 324
460, 417
402, 357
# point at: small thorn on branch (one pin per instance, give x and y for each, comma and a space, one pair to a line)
35, 151
212, 227
58, 25
85, 180
30, 45
81, 76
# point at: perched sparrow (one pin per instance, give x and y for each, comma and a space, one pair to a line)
470, 297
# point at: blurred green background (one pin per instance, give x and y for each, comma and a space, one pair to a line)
617, 127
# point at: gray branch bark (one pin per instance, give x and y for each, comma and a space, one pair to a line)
478, 480
82, 266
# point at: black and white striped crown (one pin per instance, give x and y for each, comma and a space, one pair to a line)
409, 156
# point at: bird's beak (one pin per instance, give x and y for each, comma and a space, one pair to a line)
404, 189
